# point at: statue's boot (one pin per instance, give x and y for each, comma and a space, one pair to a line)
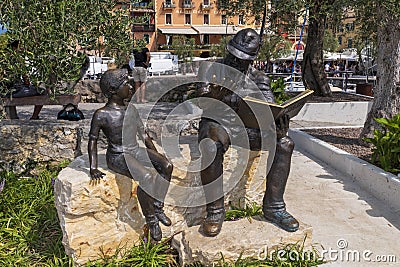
161, 216
282, 218
274, 207
154, 227
147, 205
212, 224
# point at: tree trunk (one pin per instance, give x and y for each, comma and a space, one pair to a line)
387, 92
314, 76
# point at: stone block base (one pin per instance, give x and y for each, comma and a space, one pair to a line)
240, 238
99, 218
96, 218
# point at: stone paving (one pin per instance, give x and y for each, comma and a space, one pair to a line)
350, 227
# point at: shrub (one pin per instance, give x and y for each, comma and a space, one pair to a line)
387, 144
30, 233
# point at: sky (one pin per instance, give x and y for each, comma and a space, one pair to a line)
1, 29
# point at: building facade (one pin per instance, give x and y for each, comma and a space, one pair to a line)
198, 19
159, 21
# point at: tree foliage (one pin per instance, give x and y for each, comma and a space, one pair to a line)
330, 42
273, 47
54, 36
184, 47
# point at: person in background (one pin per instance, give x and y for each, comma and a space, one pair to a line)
139, 73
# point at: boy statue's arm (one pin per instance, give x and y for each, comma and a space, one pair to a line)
92, 149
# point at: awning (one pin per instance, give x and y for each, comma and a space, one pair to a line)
177, 31
194, 30
216, 29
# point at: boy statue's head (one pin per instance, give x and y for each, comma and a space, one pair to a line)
112, 80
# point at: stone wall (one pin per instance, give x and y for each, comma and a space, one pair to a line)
90, 91
46, 141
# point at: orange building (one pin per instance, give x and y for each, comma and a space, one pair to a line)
199, 19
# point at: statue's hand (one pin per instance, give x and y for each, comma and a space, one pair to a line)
282, 126
95, 174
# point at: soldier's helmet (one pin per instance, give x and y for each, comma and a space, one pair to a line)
245, 44
111, 80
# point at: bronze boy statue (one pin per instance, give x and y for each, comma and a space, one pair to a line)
110, 118
242, 50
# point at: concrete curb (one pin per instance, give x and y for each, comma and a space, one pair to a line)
352, 113
382, 185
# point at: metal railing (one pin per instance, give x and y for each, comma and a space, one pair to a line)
168, 5
144, 28
206, 6
188, 4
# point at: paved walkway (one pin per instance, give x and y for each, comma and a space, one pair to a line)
350, 225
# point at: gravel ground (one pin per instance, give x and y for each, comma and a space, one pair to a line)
345, 139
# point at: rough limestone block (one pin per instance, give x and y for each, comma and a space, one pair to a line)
240, 238
96, 218
99, 218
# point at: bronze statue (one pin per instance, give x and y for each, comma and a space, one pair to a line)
110, 119
242, 49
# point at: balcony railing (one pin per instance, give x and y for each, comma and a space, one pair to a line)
206, 6
143, 6
188, 4
144, 28
167, 5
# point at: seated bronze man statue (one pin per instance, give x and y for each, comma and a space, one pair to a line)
110, 119
242, 49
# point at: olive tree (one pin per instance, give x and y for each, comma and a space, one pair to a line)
184, 47
386, 102
54, 37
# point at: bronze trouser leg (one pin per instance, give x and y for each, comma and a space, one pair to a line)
164, 168
119, 164
213, 174
278, 175
213, 150
146, 202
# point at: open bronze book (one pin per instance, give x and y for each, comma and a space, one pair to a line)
290, 107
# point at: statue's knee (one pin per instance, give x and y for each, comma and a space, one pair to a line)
285, 144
